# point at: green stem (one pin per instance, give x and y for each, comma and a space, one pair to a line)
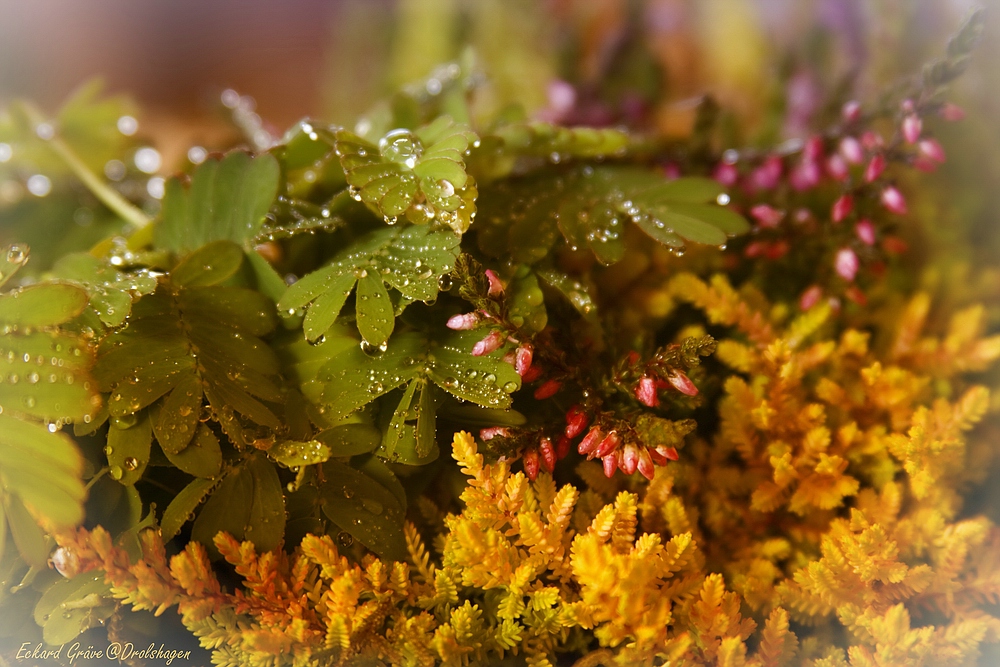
108, 196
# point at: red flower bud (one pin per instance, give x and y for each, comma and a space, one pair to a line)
496, 287
912, 127
491, 343
547, 454
726, 174
805, 176
842, 207
855, 294
576, 421
607, 445
563, 445
492, 432
894, 245
851, 111
531, 375
590, 442
463, 321
932, 148
952, 112
630, 459
522, 359
645, 466
846, 264
767, 216
776, 250
531, 463
872, 140
548, 389
669, 453
852, 151
645, 392
875, 168
865, 231
610, 463
813, 149
836, 166
682, 383
893, 200
924, 164
810, 297
767, 175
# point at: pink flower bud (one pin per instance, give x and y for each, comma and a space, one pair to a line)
932, 148
496, 287
875, 168
645, 466
856, 295
682, 383
610, 463
924, 164
645, 392
842, 207
563, 445
805, 176
765, 215
894, 245
608, 445
952, 112
865, 231
491, 343
871, 140
576, 421
767, 175
893, 200
463, 321
851, 111
813, 149
493, 431
669, 453
906, 105
630, 459
726, 174
846, 263
548, 389
522, 359
755, 249
671, 171
776, 250
590, 442
852, 151
837, 167
912, 127
548, 454
810, 297
531, 463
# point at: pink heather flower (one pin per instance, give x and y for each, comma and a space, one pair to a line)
610, 463
932, 148
669, 453
805, 176
851, 111
906, 105
925, 164
852, 151
547, 454
846, 263
810, 297
952, 112
894, 245
522, 359
645, 392
865, 231
562, 97
608, 445
496, 287
871, 140
813, 149
645, 466
682, 383
842, 207
671, 171
531, 375
491, 343
576, 421
531, 463
590, 442
767, 216
767, 175
726, 174
548, 389
493, 431
912, 127
463, 321
856, 295
837, 167
893, 200
563, 445
630, 459
755, 249
875, 168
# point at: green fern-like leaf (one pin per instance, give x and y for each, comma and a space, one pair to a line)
111, 291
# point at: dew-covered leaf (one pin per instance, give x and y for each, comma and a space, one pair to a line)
210, 264
247, 504
71, 606
129, 440
46, 375
202, 457
28, 536
350, 439
487, 380
364, 508
111, 291
227, 199
181, 508
178, 418
42, 305
410, 259
577, 293
43, 469
293, 454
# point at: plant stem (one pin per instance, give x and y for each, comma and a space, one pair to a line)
108, 196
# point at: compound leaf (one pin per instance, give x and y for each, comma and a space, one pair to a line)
181, 509
364, 508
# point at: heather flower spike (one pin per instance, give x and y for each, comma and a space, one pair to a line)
576, 421
682, 383
491, 343
590, 441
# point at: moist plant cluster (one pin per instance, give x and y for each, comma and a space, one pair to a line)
447, 389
